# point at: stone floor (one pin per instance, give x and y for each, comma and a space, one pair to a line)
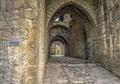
76, 71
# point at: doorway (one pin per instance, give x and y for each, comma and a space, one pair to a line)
57, 49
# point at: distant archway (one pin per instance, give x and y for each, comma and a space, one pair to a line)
58, 46
57, 49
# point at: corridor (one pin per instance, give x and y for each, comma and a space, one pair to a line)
67, 70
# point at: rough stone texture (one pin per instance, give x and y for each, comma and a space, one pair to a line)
108, 22
85, 5
112, 23
74, 71
60, 30
103, 40
19, 21
28, 21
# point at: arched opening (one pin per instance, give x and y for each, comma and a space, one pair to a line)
79, 31
57, 49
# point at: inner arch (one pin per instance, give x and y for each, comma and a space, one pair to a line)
79, 6
78, 33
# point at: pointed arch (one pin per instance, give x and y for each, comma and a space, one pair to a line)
62, 40
84, 7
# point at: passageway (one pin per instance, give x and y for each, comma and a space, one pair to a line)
59, 41
69, 70
72, 27
75, 49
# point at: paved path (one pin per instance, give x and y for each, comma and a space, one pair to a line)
76, 71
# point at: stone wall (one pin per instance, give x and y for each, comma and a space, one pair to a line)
5, 31
58, 31
26, 20
112, 23
19, 21
108, 38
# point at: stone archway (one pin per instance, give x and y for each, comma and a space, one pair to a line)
82, 5
57, 49
63, 41
79, 32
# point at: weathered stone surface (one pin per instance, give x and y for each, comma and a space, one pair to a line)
19, 22
18, 4
30, 13
28, 21
57, 74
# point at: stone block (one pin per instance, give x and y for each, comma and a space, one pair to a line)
30, 71
30, 13
24, 23
33, 3
3, 5
30, 81
31, 60
78, 82
18, 3
47, 81
62, 81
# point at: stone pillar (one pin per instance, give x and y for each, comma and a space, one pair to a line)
112, 14
42, 43
101, 40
